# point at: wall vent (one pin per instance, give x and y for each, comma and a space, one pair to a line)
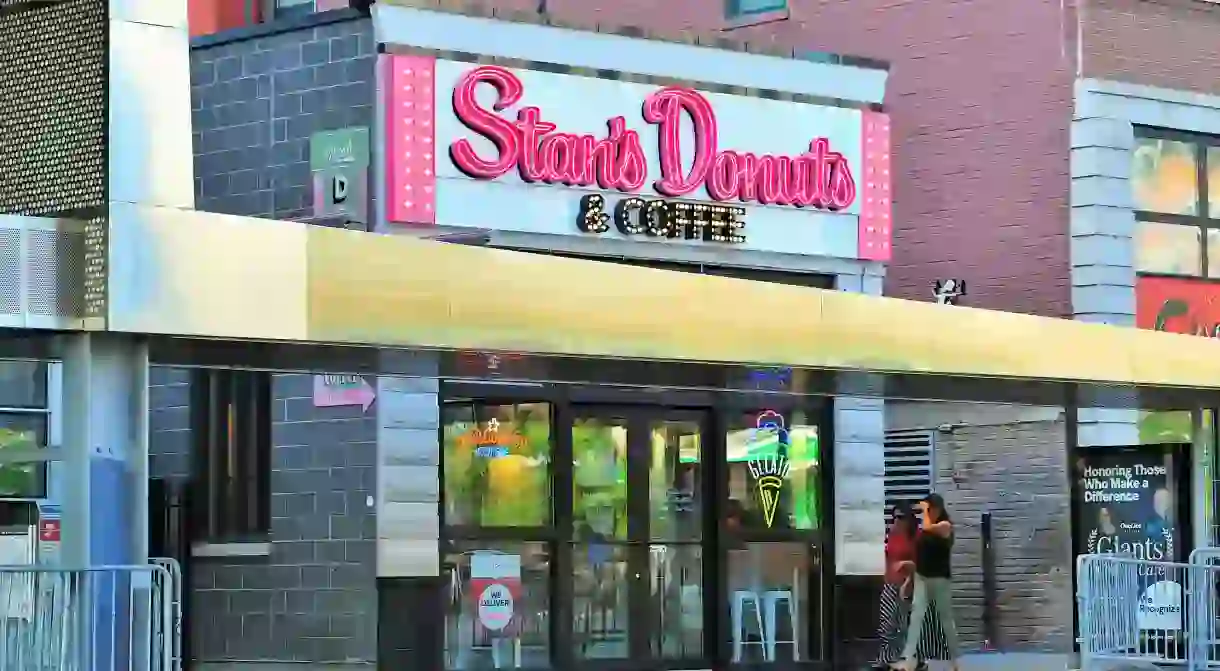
910, 466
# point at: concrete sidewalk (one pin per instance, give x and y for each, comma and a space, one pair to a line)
1012, 661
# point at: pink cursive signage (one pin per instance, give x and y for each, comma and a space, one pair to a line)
540, 152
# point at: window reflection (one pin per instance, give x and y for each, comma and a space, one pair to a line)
1165, 426
497, 464
1213, 182
599, 479
23, 430
1164, 176
600, 606
773, 464
23, 384
498, 606
674, 479
1168, 248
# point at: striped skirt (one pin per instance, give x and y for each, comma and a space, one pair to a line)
894, 617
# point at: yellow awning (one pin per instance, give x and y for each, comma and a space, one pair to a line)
196, 274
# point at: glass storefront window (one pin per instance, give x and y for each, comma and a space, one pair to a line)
23, 424
1164, 176
23, 430
499, 604
1172, 249
768, 588
599, 478
642, 568
497, 470
675, 481
1213, 182
774, 465
23, 384
1165, 426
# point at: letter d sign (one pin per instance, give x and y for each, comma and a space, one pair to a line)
338, 189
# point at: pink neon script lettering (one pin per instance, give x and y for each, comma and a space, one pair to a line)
614, 162
818, 178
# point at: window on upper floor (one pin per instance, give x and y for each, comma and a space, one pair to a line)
1175, 181
231, 454
213, 16
286, 8
746, 9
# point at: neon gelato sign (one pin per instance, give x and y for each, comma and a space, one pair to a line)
770, 471
820, 177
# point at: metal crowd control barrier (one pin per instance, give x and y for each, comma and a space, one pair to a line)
1135, 611
174, 593
105, 618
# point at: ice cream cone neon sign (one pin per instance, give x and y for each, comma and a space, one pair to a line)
770, 471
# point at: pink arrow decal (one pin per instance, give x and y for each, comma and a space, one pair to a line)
331, 391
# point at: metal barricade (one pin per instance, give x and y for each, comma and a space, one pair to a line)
1207, 556
174, 593
1133, 610
105, 618
1205, 608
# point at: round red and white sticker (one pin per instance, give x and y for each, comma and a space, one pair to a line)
495, 606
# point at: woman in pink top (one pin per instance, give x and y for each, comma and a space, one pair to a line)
894, 610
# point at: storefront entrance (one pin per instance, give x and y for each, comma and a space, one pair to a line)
681, 533
638, 575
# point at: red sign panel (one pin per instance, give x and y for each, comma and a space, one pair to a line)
48, 531
1178, 306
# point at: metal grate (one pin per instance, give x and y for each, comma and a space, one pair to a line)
54, 267
11, 286
910, 466
53, 97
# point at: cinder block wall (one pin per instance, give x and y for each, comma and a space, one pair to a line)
1010, 461
313, 598
257, 102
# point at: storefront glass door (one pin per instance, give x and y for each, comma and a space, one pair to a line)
637, 577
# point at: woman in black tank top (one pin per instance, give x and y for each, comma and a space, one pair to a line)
933, 591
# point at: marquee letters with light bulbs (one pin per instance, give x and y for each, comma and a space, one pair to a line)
539, 152
664, 219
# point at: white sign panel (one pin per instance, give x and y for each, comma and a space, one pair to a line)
539, 152
1160, 607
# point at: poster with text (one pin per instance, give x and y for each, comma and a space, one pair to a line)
1129, 506
495, 584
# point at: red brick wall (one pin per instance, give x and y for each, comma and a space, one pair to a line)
1167, 43
981, 98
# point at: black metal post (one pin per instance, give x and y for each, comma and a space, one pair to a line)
990, 633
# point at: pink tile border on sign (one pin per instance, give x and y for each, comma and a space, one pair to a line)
876, 208
410, 132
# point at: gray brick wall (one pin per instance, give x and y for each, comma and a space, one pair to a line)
256, 104
313, 599
1011, 461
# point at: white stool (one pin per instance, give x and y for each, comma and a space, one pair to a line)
514, 645
771, 601
740, 598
